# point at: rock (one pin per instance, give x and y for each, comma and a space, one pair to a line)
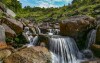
98, 31
93, 61
96, 50
2, 7
13, 24
29, 55
8, 31
77, 27
10, 12
4, 54
76, 24
3, 45
2, 34
88, 54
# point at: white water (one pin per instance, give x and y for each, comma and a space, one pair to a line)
53, 31
91, 38
64, 50
32, 40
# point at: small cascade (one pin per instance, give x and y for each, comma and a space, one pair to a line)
33, 40
64, 50
38, 30
91, 37
53, 31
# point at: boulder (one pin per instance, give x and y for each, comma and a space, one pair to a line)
8, 31
4, 54
29, 55
10, 12
13, 24
76, 24
78, 27
2, 33
96, 50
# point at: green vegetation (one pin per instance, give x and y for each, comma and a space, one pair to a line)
78, 7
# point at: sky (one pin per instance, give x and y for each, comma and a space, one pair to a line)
45, 3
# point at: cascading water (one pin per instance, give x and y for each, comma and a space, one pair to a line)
91, 38
32, 40
53, 31
64, 50
50, 32
38, 30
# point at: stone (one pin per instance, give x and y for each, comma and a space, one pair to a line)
10, 12
78, 28
2, 34
8, 31
73, 25
3, 45
13, 24
96, 50
29, 55
93, 61
4, 54
98, 31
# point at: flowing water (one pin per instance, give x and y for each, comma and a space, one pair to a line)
32, 40
91, 38
64, 50
53, 31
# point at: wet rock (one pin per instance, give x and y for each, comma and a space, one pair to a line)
78, 27
8, 31
76, 24
96, 50
88, 54
2, 33
13, 24
30, 55
92, 61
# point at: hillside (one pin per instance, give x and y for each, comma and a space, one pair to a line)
78, 7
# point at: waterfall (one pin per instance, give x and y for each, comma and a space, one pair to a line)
53, 31
64, 50
38, 30
32, 40
50, 32
91, 37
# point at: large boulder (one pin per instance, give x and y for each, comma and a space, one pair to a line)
8, 31
77, 27
73, 25
29, 55
10, 12
2, 33
13, 24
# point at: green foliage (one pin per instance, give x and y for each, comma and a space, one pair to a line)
13, 5
37, 14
